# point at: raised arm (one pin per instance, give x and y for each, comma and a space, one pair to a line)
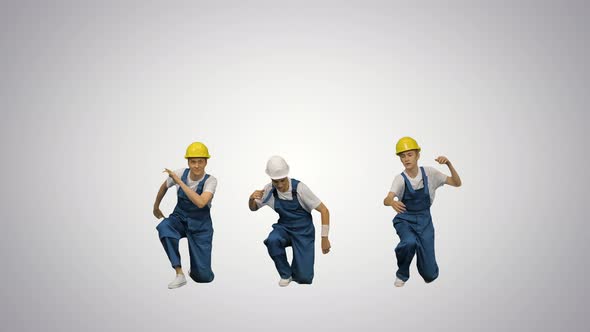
199, 200
453, 180
257, 194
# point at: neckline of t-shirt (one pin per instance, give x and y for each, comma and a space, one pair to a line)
419, 174
199, 180
283, 192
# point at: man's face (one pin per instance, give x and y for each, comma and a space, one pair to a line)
197, 165
282, 185
409, 158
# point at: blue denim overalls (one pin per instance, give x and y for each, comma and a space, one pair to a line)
416, 233
294, 228
194, 223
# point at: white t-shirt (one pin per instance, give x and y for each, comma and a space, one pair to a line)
306, 197
210, 184
436, 179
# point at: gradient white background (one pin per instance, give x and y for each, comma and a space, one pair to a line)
97, 98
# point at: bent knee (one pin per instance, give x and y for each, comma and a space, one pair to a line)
408, 245
307, 280
165, 224
274, 242
202, 277
430, 277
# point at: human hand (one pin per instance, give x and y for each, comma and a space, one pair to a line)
158, 213
257, 194
326, 245
173, 175
442, 160
398, 206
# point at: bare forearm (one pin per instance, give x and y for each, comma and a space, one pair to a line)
197, 199
160, 195
252, 204
325, 227
387, 201
325, 216
454, 175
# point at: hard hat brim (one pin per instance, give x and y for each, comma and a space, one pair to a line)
187, 157
278, 176
418, 149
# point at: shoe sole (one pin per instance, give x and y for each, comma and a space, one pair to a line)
287, 284
176, 286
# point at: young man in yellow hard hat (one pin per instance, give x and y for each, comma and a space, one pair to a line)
293, 201
191, 217
414, 190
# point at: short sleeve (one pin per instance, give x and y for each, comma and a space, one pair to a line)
397, 186
307, 198
210, 185
436, 177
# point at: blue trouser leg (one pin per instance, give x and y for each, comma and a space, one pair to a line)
303, 256
171, 248
170, 231
405, 249
426, 263
276, 242
282, 266
200, 244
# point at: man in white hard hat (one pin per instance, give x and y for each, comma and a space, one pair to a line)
293, 201
191, 217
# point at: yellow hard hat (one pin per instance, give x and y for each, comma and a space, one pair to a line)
406, 144
197, 150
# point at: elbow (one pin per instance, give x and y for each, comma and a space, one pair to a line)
252, 205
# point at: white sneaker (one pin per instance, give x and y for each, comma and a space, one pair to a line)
285, 282
179, 281
399, 283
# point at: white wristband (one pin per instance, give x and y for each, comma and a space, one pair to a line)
325, 230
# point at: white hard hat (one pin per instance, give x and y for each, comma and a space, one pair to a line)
277, 168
